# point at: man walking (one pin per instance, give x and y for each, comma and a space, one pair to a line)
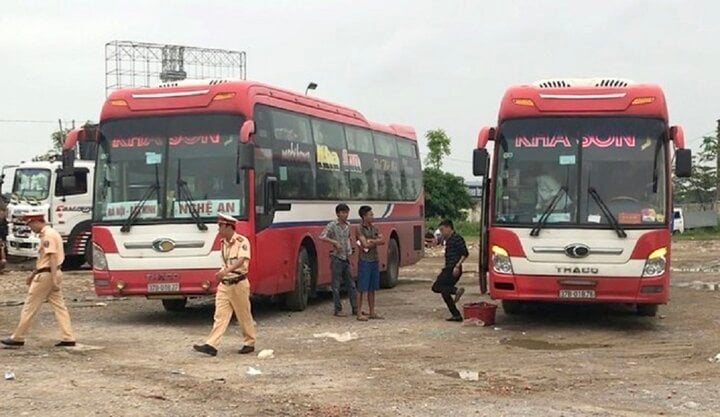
455, 254
233, 291
369, 238
44, 285
337, 233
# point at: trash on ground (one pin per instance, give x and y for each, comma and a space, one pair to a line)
469, 375
9, 376
340, 337
715, 359
473, 322
498, 328
252, 371
177, 372
11, 303
100, 304
266, 354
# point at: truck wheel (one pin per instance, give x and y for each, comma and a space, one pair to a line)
389, 278
647, 310
297, 300
88, 253
512, 308
174, 304
73, 262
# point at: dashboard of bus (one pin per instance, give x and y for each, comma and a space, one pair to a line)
582, 171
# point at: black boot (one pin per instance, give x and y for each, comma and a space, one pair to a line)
206, 349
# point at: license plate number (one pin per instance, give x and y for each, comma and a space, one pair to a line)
164, 287
577, 293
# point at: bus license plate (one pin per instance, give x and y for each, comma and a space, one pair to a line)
164, 287
577, 293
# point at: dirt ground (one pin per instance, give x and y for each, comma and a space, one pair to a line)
135, 359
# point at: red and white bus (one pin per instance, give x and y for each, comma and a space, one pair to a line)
171, 158
579, 193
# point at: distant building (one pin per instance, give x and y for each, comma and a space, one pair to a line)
475, 189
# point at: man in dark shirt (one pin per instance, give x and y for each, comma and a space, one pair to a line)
455, 254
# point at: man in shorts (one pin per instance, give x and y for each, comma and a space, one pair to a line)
369, 238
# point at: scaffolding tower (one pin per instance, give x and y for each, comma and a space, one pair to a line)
141, 64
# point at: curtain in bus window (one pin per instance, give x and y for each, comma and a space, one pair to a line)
410, 173
332, 160
293, 155
361, 174
387, 167
202, 162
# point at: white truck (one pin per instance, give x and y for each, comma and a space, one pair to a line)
65, 195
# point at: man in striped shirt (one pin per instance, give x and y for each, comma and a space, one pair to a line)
455, 254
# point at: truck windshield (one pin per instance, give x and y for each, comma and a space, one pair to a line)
622, 160
31, 183
189, 162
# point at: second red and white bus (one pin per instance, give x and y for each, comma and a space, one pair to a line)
579, 194
171, 158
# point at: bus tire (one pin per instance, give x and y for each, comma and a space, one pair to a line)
389, 277
297, 299
174, 304
647, 310
512, 308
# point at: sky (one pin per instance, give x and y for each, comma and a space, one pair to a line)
429, 64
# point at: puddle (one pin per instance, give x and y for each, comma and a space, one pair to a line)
533, 344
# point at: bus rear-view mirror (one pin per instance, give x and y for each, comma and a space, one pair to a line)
480, 162
246, 156
683, 163
68, 161
246, 131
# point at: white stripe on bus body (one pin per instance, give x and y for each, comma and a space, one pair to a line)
163, 263
313, 212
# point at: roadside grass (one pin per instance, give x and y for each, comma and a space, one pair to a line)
705, 233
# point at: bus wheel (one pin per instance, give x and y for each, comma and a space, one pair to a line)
647, 310
297, 300
174, 304
512, 308
389, 278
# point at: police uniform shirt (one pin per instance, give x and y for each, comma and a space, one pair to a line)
238, 247
50, 243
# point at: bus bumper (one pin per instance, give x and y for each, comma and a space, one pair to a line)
155, 284
631, 290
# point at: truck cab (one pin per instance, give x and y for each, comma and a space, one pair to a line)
39, 187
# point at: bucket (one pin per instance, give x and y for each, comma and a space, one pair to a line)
481, 311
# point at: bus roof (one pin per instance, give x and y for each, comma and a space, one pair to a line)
213, 96
577, 97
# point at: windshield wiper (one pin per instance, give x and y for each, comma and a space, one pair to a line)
606, 212
548, 210
185, 195
152, 188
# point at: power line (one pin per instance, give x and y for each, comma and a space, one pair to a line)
30, 121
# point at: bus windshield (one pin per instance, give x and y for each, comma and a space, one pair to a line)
168, 166
622, 160
32, 183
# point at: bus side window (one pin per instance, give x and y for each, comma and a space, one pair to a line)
329, 138
361, 176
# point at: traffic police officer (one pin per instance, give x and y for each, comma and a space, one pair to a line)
44, 284
233, 291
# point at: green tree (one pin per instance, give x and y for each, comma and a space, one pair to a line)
445, 194
438, 143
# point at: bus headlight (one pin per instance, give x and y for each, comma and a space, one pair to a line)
501, 261
655, 264
99, 260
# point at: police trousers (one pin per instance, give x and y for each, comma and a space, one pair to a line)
43, 289
228, 299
